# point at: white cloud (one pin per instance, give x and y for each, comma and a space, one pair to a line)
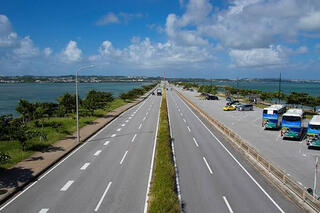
47, 51
71, 53
110, 18
310, 22
246, 24
7, 36
259, 57
183, 37
26, 48
147, 55
301, 50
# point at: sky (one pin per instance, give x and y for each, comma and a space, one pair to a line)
184, 38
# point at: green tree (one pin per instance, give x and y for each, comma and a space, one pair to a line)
297, 98
5, 122
26, 109
266, 96
67, 103
97, 100
22, 133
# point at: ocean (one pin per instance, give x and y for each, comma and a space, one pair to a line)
10, 94
312, 88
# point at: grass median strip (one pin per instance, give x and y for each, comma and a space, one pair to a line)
163, 196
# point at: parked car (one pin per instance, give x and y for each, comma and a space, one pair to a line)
212, 97
245, 107
233, 103
228, 99
229, 108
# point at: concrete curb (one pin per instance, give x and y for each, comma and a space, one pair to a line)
11, 193
275, 176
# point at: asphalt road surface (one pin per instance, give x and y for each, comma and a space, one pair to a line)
109, 173
212, 176
291, 156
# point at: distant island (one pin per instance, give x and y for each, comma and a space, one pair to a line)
102, 79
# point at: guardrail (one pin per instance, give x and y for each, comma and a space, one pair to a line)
249, 150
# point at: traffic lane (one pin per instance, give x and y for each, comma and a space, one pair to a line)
229, 171
70, 170
197, 192
107, 169
293, 157
129, 186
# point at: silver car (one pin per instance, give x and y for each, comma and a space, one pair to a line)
245, 107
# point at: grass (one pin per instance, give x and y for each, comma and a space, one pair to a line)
55, 128
163, 197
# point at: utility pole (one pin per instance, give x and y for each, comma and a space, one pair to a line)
279, 89
315, 178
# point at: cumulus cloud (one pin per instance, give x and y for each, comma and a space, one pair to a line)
183, 37
148, 55
47, 51
26, 48
310, 22
112, 18
7, 36
259, 57
302, 50
246, 24
71, 53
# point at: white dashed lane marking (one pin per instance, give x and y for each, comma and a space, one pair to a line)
66, 186
124, 156
85, 166
97, 153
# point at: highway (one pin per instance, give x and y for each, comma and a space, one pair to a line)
212, 176
108, 173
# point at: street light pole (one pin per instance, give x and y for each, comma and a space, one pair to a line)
77, 99
315, 178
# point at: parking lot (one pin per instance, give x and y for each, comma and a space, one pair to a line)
291, 156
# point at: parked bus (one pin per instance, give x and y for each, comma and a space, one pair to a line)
271, 116
313, 132
291, 123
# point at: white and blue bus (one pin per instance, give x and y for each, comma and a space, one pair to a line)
313, 132
271, 116
292, 124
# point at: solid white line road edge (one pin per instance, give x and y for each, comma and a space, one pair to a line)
103, 195
152, 163
227, 204
242, 167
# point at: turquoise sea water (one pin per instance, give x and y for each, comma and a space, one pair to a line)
10, 94
311, 88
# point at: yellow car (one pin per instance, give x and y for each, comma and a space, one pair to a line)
229, 108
